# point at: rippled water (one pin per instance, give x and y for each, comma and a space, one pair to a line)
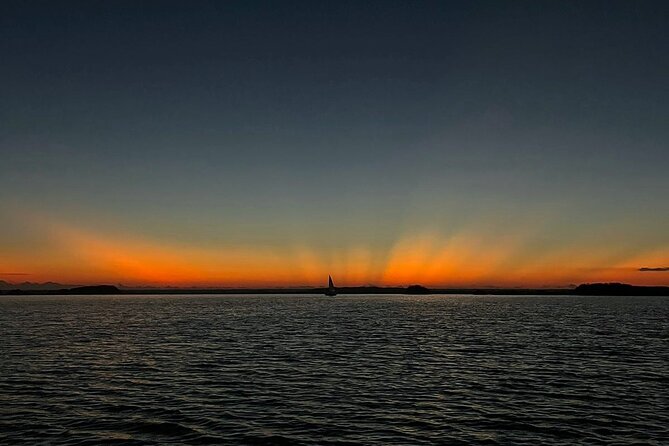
349, 370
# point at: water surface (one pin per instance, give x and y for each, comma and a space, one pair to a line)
345, 370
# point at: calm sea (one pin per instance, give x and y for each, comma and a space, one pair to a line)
383, 370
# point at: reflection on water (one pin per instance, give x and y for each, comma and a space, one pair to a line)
349, 370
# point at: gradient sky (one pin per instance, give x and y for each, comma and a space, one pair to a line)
271, 143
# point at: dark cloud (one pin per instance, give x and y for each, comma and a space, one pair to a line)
660, 269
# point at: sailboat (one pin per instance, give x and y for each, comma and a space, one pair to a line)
331, 291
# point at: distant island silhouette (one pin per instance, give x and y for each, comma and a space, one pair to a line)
590, 289
417, 289
619, 289
94, 289
84, 290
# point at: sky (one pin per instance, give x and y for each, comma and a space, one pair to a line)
474, 143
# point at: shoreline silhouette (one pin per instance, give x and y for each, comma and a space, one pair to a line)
590, 289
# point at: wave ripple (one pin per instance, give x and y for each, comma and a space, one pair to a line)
277, 370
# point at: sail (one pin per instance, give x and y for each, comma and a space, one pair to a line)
331, 291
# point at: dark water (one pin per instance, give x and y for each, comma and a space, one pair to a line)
349, 370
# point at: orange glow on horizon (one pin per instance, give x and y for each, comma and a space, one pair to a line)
473, 258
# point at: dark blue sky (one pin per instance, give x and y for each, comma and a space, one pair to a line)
331, 124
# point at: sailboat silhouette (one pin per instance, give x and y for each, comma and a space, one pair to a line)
331, 291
